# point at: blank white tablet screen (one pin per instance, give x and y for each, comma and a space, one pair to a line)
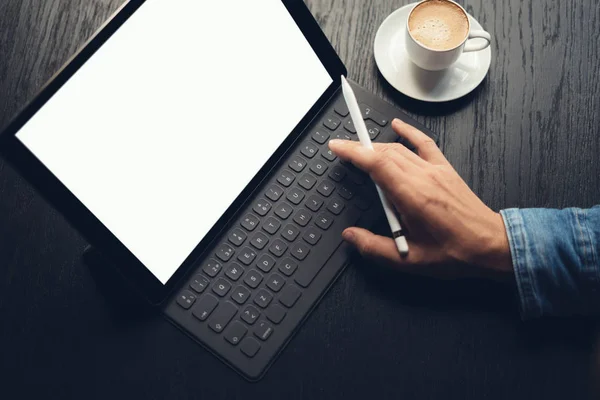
170, 119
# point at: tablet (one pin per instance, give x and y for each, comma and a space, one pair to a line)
161, 126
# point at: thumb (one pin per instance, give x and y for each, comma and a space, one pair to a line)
384, 249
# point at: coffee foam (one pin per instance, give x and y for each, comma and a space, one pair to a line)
438, 24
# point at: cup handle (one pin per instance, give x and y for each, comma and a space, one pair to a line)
470, 46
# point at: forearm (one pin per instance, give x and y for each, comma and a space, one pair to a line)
555, 255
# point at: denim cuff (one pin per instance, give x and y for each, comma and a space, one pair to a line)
518, 241
555, 260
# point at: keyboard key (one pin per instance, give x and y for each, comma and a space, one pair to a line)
331, 123
262, 207
307, 181
199, 283
289, 295
318, 167
221, 316
309, 149
221, 287
302, 217
225, 252
263, 330
283, 210
249, 347
240, 294
186, 299
295, 196
346, 192
326, 188
212, 267
328, 154
288, 266
237, 237
259, 240
253, 278
324, 221
342, 136
337, 173
314, 203
234, 271
369, 113
247, 255
265, 263
274, 192
263, 298
349, 126
250, 315
320, 136
356, 176
341, 108
297, 164
336, 205
373, 131
205, 306
311, 235
378, 119
250, 222
271, 225
300, 251
275, 282
363, 202
317, 259
275, 313
290, 232
278, 247
235, 333
286, 178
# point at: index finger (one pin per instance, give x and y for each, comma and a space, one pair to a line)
383, 170
358, 155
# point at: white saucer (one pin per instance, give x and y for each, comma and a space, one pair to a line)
395, 66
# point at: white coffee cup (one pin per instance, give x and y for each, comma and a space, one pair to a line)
436, 60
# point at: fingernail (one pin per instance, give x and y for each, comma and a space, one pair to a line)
348, 235
396, 121
337, 142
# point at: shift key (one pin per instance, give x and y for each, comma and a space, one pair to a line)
221, 316
316, 260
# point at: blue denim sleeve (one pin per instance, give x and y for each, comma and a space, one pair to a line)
555, 256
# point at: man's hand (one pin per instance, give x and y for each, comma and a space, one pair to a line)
447, 224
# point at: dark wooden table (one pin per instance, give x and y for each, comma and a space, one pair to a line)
527, 137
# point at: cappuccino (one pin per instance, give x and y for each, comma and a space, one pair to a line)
438, 24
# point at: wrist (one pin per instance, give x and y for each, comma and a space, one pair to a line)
496, 256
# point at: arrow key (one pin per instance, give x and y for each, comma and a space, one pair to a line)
235, 333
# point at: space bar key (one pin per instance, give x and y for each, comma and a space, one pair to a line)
317, 258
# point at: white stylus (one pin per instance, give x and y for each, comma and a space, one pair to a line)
365, 140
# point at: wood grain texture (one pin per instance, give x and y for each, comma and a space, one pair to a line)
529, 136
